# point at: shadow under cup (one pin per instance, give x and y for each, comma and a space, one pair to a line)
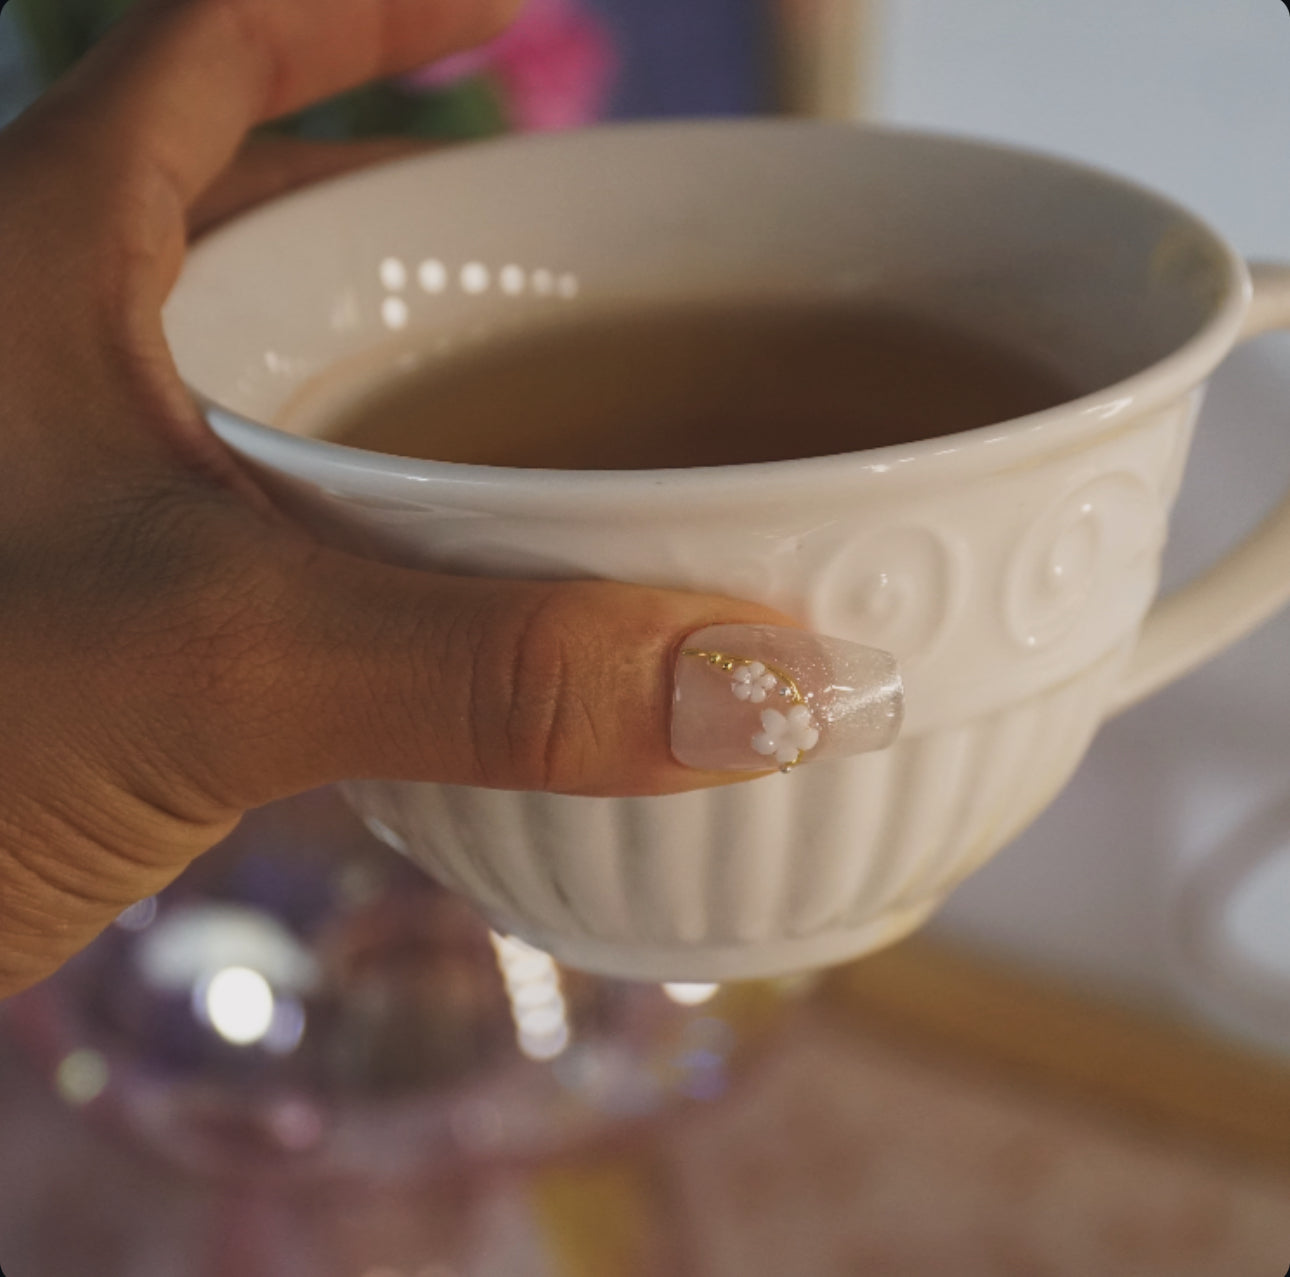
1008, 568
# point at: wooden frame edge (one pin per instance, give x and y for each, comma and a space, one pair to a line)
1142, 1065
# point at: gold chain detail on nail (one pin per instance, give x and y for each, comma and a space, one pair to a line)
725, 661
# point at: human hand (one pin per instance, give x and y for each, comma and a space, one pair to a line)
172, 650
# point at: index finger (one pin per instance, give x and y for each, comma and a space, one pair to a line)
120, 149
180, 82
97, 178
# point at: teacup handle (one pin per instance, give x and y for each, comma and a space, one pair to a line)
1247, 585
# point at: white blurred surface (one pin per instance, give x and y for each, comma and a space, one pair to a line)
1193, 97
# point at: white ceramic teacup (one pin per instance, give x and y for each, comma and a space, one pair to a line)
1011, 569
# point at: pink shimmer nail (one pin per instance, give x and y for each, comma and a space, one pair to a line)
755, 697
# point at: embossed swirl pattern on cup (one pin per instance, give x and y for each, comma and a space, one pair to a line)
1074, 550
897, 589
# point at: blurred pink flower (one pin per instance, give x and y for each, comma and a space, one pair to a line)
555, 66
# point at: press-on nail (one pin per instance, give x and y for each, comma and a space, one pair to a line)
753, 697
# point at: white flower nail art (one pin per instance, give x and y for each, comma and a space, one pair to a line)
753, 698
753, 683
786, 736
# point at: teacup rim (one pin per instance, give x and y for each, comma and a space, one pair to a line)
1012, 441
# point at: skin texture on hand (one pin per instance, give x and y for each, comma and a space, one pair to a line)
172, 650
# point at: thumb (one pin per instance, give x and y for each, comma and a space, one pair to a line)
582, 687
